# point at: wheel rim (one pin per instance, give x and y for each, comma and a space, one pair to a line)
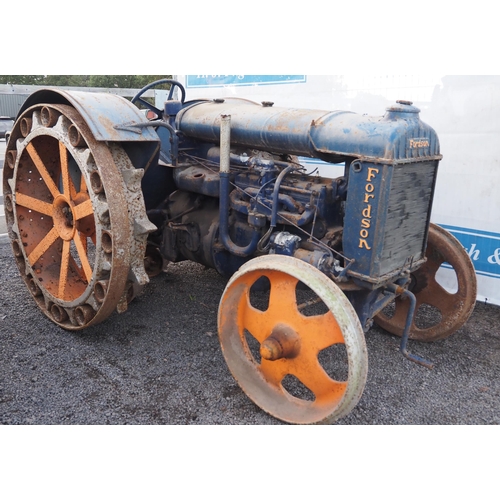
285, 372
452, 309
70, 217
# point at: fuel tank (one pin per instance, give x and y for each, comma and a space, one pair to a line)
333, 136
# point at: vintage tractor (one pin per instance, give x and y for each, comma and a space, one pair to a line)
98, 199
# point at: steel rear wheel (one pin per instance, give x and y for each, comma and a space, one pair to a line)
299, 351
75, 216
448, 311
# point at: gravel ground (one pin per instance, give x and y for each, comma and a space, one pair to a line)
160, 363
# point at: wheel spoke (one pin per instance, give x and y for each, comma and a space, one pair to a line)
76, 268
68, 188
255, 321
282, 297
83, 240
63, 275
434, 262
35, 204
43, 170
82, 253
314, 377
43, 246
308, 371
435, 295
274, 371
319, 332
83, 209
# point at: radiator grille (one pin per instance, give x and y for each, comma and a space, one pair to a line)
407, 214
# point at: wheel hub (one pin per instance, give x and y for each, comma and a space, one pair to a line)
284, 342
64, 221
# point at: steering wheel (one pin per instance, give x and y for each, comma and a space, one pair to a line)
173, 84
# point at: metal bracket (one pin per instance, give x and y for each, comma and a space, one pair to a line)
409, 319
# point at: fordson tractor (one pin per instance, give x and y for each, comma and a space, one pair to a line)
98, 199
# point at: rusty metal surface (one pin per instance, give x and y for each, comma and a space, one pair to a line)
315, 133
449, 311
75, 217
102, 112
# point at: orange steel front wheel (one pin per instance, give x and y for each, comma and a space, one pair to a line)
292, 340
73, 209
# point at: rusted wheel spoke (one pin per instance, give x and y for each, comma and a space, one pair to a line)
68, 188
83, 210
84, 189
43, 170
35, 204
83, 240
434, 295
43, 246
82, 253
73, 264
76, 269
63, 275
434, 262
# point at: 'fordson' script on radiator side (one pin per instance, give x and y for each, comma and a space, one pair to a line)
367, 210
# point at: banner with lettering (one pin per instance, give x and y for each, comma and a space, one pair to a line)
205, 81
483, 248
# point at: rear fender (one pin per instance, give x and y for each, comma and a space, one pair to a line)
110, 118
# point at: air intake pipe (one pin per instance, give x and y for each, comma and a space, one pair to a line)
225, 146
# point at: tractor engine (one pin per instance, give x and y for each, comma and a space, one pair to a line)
305, 206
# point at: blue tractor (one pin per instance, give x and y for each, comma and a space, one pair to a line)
99, 198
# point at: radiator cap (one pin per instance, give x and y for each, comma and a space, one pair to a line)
402, 110
403, 106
